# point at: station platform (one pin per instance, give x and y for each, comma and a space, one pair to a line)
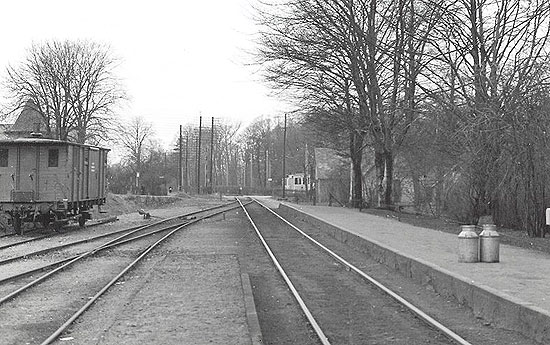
513, 293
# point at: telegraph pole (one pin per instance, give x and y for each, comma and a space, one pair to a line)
212, 157
186, 162
165, 177
199, 158
284, 160
179, 161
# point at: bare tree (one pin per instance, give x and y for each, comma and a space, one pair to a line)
72, 84
355, 62
226, 165
257, 136
300, 54
489, 71
135, 137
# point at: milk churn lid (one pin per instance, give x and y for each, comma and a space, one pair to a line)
467, 231
489, 230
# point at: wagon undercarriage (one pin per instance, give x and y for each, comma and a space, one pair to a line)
48, 214
49, 181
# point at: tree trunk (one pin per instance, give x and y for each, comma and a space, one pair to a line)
356, 152
416, 190
380, 170
438, 191
388, 160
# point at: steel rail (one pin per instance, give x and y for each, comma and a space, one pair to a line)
137, 228
92, 300
415, 310
62, 261
42, 251
322, 337
24, 241
16, 234
89, 253
96, 223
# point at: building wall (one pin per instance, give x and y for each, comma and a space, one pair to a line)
338, 188
332, 176
295, 182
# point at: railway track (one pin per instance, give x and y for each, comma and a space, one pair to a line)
25, 254
149, 237
344, 307
324, 284
41, 237
119, 237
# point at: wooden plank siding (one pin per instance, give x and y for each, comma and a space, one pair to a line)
93, 173
7, 174
26, 169
78, 176
53, 181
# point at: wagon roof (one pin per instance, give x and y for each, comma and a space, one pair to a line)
44, 141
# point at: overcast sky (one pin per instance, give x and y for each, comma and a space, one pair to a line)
179, 59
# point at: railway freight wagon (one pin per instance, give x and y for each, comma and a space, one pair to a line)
50, 181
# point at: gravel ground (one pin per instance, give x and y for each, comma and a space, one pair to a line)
174, 299
349, 310
447, 311
189, 292
203, 311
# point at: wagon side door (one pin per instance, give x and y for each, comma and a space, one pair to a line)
27, 172
86, 174
54, 182
94, 170
7, 171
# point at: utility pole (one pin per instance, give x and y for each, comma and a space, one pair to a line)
165, 177
284, 160
199, 157
212, 157
179, 161
186, 162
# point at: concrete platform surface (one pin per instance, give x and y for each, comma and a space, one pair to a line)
513, 293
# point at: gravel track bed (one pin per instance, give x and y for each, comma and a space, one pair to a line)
347, 308
449, 312
205, 243
28, 318
201, 263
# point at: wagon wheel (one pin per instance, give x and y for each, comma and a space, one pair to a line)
81, 220
4, 221
57, 223
44, 221
17, 224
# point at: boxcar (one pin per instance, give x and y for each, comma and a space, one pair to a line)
50, 181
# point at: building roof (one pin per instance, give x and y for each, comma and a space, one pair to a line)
29, 120
34, 141
3, 128
330, 165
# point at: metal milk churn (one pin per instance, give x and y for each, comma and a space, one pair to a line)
468, 244
489, 244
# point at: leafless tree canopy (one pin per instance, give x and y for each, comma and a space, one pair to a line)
410, 81
135, 137
72, 84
